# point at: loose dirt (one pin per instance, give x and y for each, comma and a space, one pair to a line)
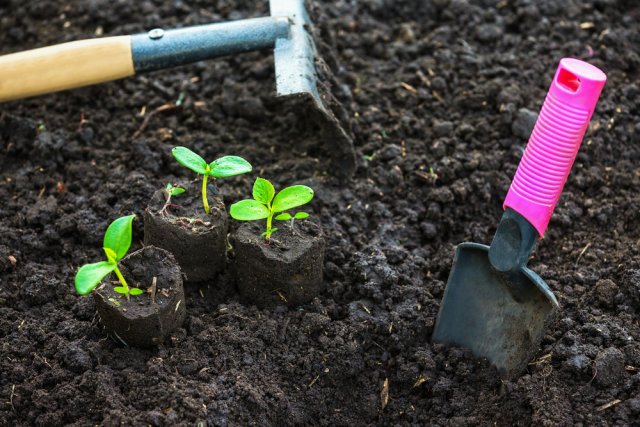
440, 96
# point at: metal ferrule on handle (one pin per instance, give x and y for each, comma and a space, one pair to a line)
554, 142
159, 49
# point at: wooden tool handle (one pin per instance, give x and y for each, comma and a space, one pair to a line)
65, 66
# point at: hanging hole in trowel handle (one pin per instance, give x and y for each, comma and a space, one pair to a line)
568, 81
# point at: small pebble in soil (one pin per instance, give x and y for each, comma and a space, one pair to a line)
609, 367
523, 124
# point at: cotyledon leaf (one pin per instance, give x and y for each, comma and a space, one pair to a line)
229, 166
248, 210
189, 159
90, 275
292, 197
283, 217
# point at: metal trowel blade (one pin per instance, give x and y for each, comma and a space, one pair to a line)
479, 312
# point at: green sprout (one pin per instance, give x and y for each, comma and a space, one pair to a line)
287, 217
221, 168
117, 241
266, 203
170, 191
173, 190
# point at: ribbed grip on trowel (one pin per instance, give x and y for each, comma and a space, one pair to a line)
555, 141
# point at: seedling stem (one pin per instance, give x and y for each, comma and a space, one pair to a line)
122, 282
170, 190
205, 202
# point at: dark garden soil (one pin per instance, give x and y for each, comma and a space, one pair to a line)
441, 96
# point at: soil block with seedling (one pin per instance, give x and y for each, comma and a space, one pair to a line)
147, 304
194, 232
285, 268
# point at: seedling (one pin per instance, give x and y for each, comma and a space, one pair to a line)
221, 168
266, 203
173, 190
169, 191
117, 241
287, 217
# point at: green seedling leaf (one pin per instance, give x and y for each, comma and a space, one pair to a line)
90, 275
283, 217
176, 191
118, 236
248, 210
173, 190
301, 215
136, 291
189, 159
263, 191
228, 166
120, 290
292, 197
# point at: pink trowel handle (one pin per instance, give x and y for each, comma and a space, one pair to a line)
554, 142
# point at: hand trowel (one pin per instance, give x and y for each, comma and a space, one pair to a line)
494, 304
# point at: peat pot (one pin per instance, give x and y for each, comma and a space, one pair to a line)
197, 240
285, 270
148, 319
